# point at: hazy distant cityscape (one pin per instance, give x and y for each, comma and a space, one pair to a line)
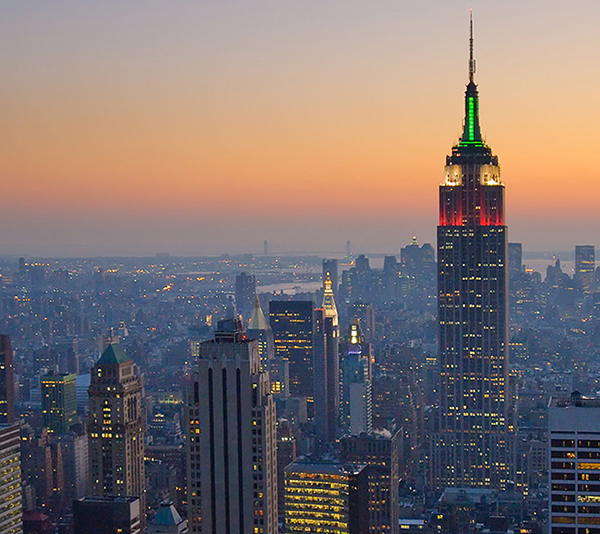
448, 386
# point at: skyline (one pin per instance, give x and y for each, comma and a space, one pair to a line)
205, 129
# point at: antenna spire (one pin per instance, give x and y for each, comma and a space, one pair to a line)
471, 59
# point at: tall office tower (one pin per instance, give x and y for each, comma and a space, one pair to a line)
574, 436
365, 312
327, 367
59, 402
116, 422
75, 456
357, 395
331, 267
585, 265
321, 419
326, 497
515, 260
381, 454
232, 438
292, 324
107, 515
476, 427
7, 386
245, 292
259, 329
11, 507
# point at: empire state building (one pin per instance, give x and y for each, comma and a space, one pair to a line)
473, 444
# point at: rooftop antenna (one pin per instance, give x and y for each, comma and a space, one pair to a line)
471, 59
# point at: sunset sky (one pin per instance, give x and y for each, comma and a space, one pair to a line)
203, 127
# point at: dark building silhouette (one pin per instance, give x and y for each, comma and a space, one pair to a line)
365, 313
327, 366
381, 455
585, 265
7, 386
515, 260
107, 515
474, 444
245, 291
292, 325
416, 259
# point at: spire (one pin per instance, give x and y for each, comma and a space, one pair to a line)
329, 300
471, 59
257, 319
471, 132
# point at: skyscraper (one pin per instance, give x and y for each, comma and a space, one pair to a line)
292, 324
326, 497
232, 438
245, 291
574, 431
11, 507
515, 260
381, 454
116, 427
474, 443
356, 398
7, 386
59, 402
585, 265
327, 365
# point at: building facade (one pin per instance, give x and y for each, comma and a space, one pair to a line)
381, 455
574, 439
107, 515
11, 507
116, 428
292, 324
327, 498
356, 392
474, 445
59, 402
232, 438
7, 385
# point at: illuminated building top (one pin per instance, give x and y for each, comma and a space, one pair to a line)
257, 319
329, 301
472, 193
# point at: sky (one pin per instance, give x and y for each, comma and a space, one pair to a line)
206, 127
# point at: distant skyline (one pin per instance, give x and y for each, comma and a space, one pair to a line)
199, 128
